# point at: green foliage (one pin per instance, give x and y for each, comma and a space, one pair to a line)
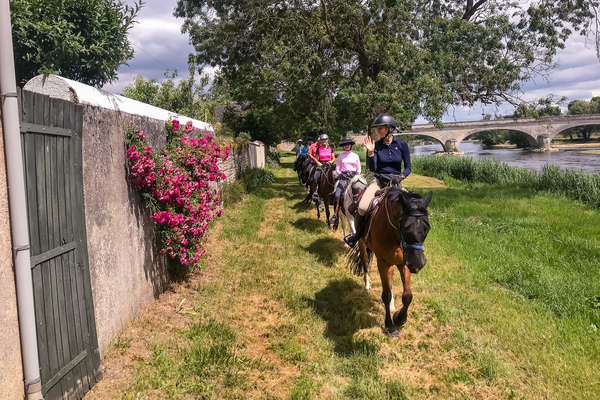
244, 135
274, 159
231, 193
500, 136
186, 97
256, 178
545, 107
81, 40
579, 186
335, 64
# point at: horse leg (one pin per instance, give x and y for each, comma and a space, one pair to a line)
317, 207
401, 316
386, 273
327, 214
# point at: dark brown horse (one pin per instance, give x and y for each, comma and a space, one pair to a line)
325, 190
397, 230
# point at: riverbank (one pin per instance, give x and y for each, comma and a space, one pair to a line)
505, 308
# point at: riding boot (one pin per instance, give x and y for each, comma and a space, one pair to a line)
360, 222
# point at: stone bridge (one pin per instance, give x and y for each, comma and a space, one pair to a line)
539, 132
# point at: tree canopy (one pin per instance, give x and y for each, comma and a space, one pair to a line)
186, 97
334, 64
84, 40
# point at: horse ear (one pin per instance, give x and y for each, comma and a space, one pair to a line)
427, 199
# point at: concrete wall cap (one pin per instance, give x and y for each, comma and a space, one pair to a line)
77, 92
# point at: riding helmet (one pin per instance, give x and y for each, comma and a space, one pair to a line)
323, 136
384, 120
299, 141
346, 141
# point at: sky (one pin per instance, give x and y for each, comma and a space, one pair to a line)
159, 45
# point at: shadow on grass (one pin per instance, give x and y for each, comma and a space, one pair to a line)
346, 308
327, 249
310, 225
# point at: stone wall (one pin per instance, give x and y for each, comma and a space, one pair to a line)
11, 372
126, 271
238, 160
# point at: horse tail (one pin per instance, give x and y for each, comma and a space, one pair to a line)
355, 260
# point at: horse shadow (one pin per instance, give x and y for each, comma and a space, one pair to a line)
310, 225
346, 308
327, 249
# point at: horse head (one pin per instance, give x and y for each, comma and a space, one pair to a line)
413, 226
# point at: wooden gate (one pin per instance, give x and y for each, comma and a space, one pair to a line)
64, 311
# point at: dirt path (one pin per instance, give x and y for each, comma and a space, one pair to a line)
275, 314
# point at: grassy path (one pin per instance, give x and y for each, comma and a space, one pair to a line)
276, 315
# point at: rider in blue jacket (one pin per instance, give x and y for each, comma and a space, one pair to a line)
385, 156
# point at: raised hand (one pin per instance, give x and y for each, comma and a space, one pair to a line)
368, 143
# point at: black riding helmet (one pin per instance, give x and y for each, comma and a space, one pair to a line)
384, 120
346, 141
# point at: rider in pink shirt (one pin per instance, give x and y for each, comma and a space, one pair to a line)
348, 161
348, 165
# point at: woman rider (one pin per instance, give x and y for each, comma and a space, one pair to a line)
348, 165
385, 156
319, 154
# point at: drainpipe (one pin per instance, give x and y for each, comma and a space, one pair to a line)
18, 208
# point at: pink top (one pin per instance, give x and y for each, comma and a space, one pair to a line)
348, 161
325, 153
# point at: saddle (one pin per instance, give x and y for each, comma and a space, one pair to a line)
358, 185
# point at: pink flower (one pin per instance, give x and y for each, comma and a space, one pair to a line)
175, 125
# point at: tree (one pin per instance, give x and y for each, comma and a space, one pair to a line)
187, 97
336, 63
84, 40
578, 107
545, 107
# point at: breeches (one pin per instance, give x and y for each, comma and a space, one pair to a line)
365, 201
342, 184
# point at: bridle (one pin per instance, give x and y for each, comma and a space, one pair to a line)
412, 213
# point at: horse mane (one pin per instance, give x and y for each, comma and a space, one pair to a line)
397, 194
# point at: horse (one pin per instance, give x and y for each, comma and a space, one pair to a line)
325, 190
397, 229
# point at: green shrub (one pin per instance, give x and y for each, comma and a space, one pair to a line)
274, 159
232, 192
245, 135
255, 178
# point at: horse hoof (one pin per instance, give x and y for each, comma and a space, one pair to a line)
400, 318
392, 332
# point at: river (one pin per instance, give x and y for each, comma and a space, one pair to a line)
567, 158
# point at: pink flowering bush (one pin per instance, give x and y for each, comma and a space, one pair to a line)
175, 186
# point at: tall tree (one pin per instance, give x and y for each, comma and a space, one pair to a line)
84, 40
336, 63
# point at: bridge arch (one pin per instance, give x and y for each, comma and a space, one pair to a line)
532, 140
575, 124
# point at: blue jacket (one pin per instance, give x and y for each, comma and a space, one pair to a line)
388, 159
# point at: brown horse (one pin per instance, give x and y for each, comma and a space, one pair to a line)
325, 190
397, 230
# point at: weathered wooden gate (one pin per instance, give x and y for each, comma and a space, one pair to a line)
64, 312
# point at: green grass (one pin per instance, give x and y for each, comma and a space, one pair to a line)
507, 307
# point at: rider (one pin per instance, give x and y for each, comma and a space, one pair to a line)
384, 156
319, 154
348, 165
298, 149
